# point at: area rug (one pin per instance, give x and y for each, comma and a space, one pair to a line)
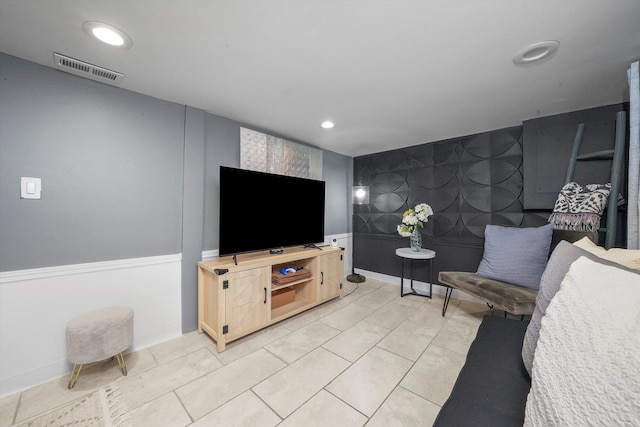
102, 407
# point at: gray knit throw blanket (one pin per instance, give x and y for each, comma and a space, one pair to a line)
580, 208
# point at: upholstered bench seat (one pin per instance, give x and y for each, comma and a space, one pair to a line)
511, 298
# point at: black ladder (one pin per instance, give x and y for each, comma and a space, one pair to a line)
617, 162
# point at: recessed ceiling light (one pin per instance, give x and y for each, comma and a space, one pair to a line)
107, 34
327, 124
536, 52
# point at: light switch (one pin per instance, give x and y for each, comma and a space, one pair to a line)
30, 188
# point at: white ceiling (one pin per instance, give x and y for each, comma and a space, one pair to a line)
390, 74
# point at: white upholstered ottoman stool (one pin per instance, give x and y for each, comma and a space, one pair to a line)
99, 335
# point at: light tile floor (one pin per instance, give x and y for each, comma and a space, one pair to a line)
370, 357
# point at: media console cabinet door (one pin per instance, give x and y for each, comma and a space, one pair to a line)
246, 301
331, 273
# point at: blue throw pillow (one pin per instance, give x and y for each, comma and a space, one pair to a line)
516, 255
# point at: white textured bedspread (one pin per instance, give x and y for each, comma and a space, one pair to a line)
586, 369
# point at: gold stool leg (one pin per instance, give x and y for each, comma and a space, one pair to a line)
120, 358
74, 375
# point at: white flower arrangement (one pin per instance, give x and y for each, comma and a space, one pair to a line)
414, 218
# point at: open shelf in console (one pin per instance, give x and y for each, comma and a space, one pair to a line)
298, 305
302, 286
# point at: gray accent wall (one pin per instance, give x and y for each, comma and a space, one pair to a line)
547, 148
124, 175
469, 182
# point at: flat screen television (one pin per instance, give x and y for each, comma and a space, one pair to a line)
260, 211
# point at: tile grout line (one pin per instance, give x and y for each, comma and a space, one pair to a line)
184, 408
267, 405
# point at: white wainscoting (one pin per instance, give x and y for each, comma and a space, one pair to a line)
36, 304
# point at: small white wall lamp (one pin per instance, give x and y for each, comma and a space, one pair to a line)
360, 195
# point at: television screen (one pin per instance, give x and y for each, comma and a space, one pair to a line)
260, 211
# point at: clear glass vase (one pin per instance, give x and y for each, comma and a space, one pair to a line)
415, 240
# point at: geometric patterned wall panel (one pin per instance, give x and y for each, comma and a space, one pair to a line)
469, 182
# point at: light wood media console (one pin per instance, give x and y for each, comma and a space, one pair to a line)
235, 300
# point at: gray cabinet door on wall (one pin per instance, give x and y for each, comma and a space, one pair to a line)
547, 145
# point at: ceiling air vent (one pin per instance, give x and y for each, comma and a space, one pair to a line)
84, 69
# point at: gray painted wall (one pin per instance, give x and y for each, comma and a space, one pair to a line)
222, 148
124, 175
111, 167
337, 174
193, 211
